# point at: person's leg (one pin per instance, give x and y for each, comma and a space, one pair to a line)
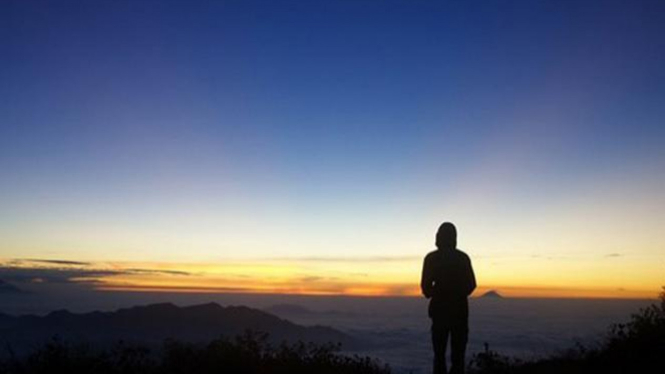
459, 336
439, 343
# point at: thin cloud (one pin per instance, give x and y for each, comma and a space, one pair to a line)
69, 272
154, 271
313, 278
56, 262
52, 275
316, 278
347, 259
611, 255
171, 288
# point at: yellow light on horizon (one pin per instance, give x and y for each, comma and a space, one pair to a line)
392, 278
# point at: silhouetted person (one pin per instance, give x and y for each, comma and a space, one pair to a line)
447, 281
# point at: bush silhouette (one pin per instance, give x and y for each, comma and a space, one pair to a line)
249, 353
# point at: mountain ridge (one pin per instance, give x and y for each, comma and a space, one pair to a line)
153, 323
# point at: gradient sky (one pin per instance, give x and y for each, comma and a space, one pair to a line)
315, 146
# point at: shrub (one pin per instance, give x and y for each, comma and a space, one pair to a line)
249, 353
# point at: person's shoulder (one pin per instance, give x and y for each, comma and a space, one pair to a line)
462, 254
431, 255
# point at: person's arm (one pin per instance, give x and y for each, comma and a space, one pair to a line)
427, 279
471, 278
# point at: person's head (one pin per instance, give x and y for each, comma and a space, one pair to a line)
446, 237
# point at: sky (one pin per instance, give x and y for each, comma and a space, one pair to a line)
314, 147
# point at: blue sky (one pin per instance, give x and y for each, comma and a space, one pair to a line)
200, 132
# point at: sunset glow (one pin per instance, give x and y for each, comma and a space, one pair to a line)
220, 148
366, 278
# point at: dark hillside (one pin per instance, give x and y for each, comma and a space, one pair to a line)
152, 324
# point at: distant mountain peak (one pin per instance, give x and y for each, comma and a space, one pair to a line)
210, 305
157, 306
492, 294
7, 288
209, 308
151, 308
